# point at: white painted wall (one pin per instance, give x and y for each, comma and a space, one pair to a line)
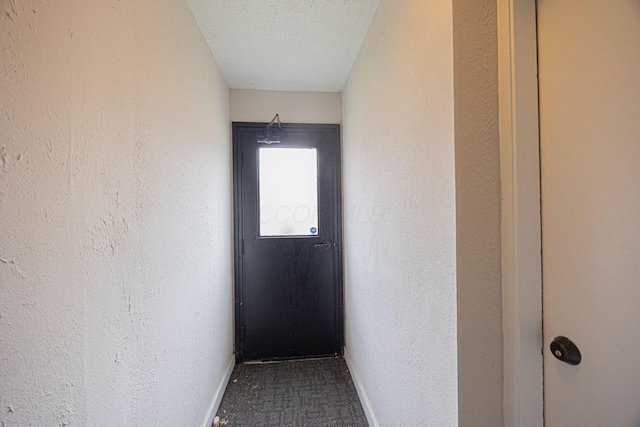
115, 270
400, 205
293, 107
478, 198
422, 215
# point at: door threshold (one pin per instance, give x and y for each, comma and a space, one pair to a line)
288, 359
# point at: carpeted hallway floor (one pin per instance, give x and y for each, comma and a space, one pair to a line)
312, 392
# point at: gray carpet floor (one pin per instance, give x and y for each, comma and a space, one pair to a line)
312, 392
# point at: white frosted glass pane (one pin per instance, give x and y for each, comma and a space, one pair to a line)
288, 191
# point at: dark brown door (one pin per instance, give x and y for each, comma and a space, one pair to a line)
288, 291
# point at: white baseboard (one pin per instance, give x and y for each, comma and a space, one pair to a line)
217, 397
364, 400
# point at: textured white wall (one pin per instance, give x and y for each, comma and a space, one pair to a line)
399, 198
477, 153
293, 107
115, 270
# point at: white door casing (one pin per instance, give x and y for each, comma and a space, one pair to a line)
521, 262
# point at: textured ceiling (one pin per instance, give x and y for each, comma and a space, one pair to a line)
293, 45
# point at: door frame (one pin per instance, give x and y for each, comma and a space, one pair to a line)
523, 390
238, 280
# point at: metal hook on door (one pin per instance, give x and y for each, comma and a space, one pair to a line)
267, 138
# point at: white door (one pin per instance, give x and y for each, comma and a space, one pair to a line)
589, 65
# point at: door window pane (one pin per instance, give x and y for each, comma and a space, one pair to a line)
288, 180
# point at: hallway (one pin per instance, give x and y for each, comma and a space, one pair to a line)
117, 303
304, 392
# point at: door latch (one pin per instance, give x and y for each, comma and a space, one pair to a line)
324, 245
